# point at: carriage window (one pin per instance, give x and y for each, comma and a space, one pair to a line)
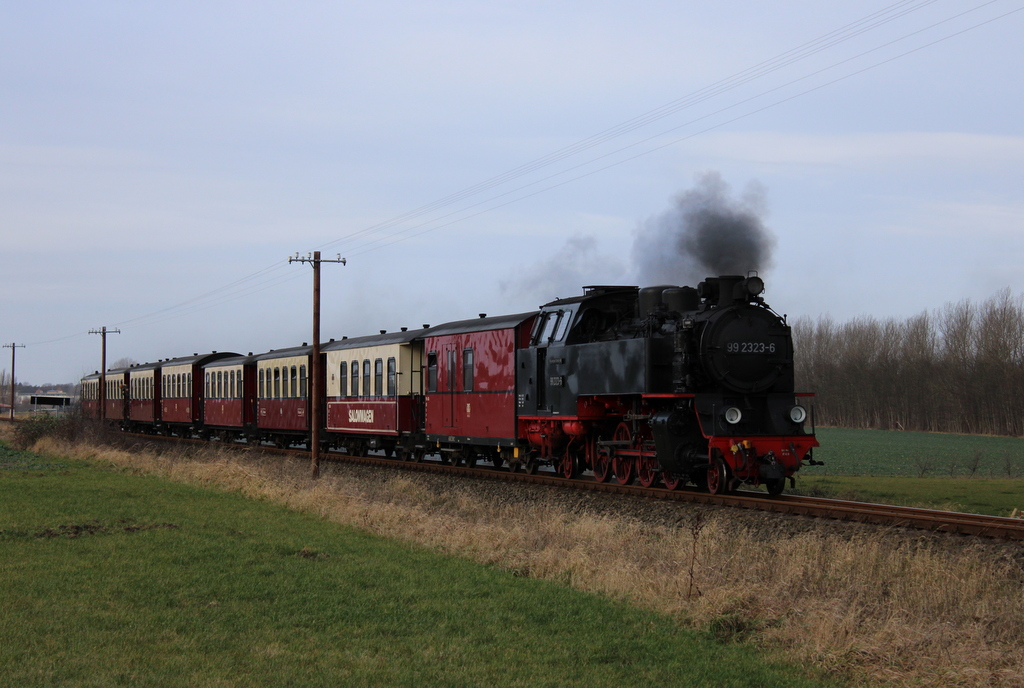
302, 381
378, 378
218, 392
392, 378
355, 378
467, 370
262, 390
451, 370
238, 385
295, 382
231, 385
277, 383
188, 389
208, 395
343, 378
366, 377
432, 371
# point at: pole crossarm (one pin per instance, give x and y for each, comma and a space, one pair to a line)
316, 413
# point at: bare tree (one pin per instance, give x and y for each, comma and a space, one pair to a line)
959, 369
1009, 464
974, 464
925, 464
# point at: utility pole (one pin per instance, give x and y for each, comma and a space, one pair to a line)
103, 369
315, 412
12, 346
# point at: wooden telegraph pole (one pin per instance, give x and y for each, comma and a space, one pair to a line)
12, 346
315, 391
103, 369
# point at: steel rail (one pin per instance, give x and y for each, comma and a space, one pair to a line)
817, 507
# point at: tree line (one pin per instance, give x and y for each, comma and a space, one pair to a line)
959, 369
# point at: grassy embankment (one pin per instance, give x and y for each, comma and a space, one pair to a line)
891, 610
970, 473
117, 579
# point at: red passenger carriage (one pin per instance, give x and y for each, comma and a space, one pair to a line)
229, 393
143, 396
90, 396
181, 394
283, 404
116, 395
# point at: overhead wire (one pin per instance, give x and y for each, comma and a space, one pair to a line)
841, 34
690, 136
726, 84
362, 241
363, 248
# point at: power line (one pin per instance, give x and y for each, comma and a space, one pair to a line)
397, 236
807, 49
252, 283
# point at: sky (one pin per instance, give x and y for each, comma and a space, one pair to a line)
159, 162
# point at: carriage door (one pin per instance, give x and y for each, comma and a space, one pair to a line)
449, 380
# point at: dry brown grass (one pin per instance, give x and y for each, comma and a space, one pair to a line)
882, 610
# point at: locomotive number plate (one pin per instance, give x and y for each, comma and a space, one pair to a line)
750, 347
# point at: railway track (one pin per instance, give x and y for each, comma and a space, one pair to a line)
817, 507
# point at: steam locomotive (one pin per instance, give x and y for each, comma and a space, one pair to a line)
665, 383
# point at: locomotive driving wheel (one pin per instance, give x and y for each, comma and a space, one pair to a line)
602, 466
569, 465
671, 481
623, 466
646, 466
717, 477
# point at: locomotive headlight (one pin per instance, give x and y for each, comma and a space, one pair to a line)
733, 415
798, 414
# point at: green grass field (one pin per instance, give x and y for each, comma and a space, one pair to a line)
117, 580
890, 453
971, 473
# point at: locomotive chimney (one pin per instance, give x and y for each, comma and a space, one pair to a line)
727, 289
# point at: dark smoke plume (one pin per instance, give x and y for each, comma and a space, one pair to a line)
706, 233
